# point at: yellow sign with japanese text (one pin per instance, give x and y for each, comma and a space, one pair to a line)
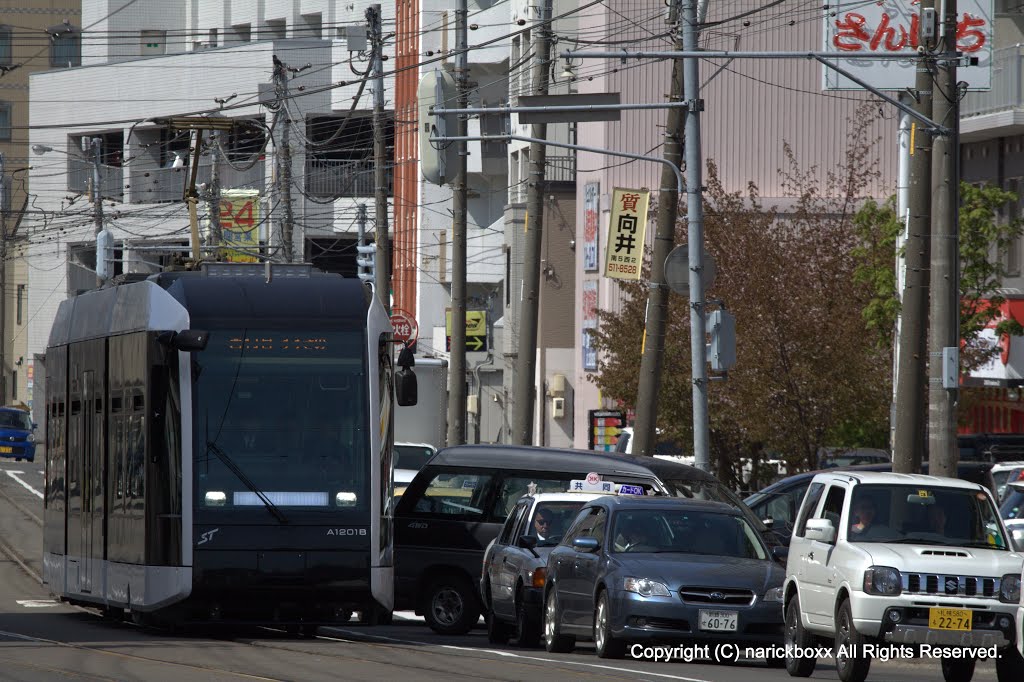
476, 322
627, 226
240, 225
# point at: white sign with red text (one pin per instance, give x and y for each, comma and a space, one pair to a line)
891, 27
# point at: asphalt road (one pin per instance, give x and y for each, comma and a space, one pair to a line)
41, 639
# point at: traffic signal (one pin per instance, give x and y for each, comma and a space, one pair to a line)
437, 159
722, 350
366, 260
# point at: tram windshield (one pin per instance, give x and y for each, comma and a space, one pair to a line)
288, 412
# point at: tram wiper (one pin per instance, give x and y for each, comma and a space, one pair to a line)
229, 463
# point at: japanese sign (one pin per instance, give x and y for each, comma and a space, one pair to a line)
591, 211
240, 224
626, 229
405, 326
599, 486
604, 427
891, 26
589, 323
476, 330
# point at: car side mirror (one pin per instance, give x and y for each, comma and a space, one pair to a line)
188, 340
821, 530
769, 522
528, 541
405, 387
780, 554
34, 426
585, 544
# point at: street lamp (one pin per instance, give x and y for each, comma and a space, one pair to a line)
104, 239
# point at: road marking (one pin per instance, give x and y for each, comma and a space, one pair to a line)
15, 476
511, 654
36, 603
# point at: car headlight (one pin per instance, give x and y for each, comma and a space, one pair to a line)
31, 438
882, 580
774, 594
1009, 589
645, 587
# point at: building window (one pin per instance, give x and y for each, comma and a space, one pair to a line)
212, 39
274, 29
21, 303
312, 25
153, 42
243, 33
5, 45
5, 120
65, 45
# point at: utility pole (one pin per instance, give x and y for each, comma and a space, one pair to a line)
944, 338
103, 242
457, 357
523, 390
909, 438
213, 194
284, 160
3, 280
365, 254
380, 160
651, 362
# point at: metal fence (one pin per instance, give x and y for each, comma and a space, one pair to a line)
80, 177
1007, 81
160, 185
329, 178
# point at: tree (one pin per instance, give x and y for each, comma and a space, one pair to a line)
807, 373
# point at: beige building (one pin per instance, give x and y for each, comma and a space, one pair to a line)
35, 35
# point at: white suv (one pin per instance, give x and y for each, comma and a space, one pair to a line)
885, 560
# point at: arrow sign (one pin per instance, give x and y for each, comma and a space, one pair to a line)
476, 343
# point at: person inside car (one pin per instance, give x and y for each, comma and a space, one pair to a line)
542, 524
864, 526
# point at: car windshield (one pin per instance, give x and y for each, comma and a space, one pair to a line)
685, 531
1013, 504
15, 420
412, 456
697, 489
934, 515
551, 519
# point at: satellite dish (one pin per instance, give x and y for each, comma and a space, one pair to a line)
677, 270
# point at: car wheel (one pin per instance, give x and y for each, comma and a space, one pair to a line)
1009, 665
796, 641
527, 627
958, 669
451, 607
851, 663
497, 630
554, 642
17, 459
607, 646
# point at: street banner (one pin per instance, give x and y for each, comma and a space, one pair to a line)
626, 230
591, 211
240, 224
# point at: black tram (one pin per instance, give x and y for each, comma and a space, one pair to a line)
219, 448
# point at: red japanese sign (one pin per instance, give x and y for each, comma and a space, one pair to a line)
892, 26
406, 328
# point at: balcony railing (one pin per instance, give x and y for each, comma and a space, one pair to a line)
80, 177
326, 178
160, 185
560, 168
1007, 81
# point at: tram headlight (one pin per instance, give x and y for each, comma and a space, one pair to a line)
345, 499
215, 498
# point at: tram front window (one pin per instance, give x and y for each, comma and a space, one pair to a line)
282, 417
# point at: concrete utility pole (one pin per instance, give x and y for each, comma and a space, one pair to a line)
909, 437
102, 243
380, 161
944, 338
4, 199
457, 357
523, 389
284, 161
644, 434
213, 194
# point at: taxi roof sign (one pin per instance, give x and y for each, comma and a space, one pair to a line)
606, 487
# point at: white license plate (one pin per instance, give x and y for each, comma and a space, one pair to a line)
718, 621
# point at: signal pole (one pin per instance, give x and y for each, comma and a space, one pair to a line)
213, 194
457, 357
668, 208
284, 160
380, 179
523, 390
909, 438
944, 338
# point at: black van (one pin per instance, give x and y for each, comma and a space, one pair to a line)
459, 500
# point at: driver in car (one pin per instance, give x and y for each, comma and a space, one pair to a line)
542, 524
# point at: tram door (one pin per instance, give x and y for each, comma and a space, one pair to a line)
88, 475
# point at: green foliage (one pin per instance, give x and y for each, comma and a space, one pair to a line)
877, 228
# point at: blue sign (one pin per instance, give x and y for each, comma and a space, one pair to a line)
630, 490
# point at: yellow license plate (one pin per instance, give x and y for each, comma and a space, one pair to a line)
6, 449
949, 619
